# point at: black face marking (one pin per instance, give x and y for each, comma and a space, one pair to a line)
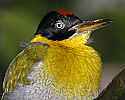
55, 26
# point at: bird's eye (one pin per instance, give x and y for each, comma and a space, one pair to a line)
60, 25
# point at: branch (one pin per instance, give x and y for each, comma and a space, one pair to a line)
115, 90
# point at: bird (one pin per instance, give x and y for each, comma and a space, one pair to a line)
58, 63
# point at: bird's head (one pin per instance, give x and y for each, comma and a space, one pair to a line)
63, 25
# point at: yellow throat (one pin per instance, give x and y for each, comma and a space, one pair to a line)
74, 66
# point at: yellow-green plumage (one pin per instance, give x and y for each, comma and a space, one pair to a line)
76, 67
76, 70
21, 66
73, 66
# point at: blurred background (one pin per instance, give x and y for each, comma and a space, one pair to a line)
19, 20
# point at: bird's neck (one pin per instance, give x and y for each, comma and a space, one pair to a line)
76, 41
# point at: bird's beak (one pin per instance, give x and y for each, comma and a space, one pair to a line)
90, 25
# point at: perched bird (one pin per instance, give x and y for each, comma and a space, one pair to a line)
58, 63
